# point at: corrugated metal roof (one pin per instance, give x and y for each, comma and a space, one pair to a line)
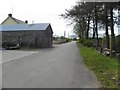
20, 27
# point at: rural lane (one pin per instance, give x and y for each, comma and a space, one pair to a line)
58, 67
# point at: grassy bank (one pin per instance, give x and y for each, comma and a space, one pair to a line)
105, 68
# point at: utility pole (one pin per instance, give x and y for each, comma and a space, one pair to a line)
64, 33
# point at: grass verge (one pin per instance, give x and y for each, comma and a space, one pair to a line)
105, 68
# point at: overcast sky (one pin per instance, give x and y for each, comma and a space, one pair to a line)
39, 11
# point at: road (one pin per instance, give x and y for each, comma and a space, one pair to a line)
58, 67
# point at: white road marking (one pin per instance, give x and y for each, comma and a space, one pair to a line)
7, 56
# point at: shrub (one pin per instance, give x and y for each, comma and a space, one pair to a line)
78, 41
68, 40
88, 42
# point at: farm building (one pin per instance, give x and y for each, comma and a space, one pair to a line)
10, 20
32, 35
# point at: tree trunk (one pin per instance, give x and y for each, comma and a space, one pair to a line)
80, 32
88, 27
112, 32
106, 26
93, 37
96, 27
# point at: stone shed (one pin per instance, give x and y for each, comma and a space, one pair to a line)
32, 35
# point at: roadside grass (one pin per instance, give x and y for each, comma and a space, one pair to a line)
105, 68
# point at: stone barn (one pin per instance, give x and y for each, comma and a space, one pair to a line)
32, 35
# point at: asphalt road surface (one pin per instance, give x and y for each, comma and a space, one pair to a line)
58, 67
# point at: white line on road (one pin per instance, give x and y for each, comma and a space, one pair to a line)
6, 58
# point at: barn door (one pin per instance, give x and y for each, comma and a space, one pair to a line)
36, 42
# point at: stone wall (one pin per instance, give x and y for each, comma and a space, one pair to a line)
0, 40
38, 38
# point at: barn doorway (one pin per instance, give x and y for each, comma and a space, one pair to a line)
36, 42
